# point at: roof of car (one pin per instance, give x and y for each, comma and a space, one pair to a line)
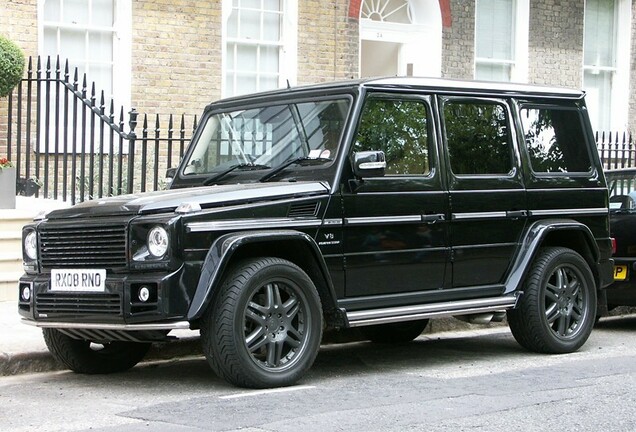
444, 85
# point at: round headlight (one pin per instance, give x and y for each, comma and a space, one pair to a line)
158, 242
31, 245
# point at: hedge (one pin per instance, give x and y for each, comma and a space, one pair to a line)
11, 65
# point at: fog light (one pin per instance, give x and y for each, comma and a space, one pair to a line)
26, 293
143, 294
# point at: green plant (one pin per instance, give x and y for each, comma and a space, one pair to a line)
11, 66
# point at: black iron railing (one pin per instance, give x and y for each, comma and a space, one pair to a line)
66, 144
616, 149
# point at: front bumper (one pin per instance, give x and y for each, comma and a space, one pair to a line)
115, 308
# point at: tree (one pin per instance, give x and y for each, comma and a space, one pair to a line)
11, 65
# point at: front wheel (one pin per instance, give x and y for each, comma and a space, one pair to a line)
87, 357
265, 325
557, 309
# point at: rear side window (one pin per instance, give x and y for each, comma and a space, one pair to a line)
478, 138
555, 140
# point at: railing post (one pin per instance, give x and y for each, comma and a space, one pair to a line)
132, 136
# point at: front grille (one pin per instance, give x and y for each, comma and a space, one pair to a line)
83, 246
70, 303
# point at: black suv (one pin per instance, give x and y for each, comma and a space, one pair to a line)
376, 204
622, 189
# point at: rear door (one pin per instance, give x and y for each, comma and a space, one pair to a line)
487, 195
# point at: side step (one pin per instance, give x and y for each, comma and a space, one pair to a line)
435, 310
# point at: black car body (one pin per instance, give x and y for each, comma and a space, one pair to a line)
622, 189
376, 204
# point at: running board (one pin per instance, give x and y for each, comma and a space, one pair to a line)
435, 310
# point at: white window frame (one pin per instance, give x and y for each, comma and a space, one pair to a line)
521, 30
122, 50
619, 95
288, 44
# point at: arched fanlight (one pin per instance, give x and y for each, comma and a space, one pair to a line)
386, 11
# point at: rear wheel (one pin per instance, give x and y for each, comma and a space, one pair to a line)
557, 309
399, 332
94, 358
265, 325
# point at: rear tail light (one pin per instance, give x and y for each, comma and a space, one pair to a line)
613, 246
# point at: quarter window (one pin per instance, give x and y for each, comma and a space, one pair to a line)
399, 128
555, 140
478, 138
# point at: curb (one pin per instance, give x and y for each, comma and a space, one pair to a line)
43, 361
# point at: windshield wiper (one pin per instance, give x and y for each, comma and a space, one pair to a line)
215, 177
284, 165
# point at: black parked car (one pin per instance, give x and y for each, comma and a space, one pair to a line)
376, 204
622, 189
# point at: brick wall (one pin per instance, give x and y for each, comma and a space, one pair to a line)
632, 76
556, 43
176, 55
328, 43
17, 18
458, 41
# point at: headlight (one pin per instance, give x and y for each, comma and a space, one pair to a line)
158, 242
31, 245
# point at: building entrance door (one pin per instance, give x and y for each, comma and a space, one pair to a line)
400, 37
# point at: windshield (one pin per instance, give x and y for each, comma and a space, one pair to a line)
622, 191
269, 136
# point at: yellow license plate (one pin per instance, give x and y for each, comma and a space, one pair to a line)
620, 272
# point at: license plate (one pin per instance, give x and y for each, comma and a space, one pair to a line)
620, 272
76, 280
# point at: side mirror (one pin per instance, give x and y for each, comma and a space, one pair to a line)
171, 173
369, 164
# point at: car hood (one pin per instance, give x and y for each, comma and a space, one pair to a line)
206, 197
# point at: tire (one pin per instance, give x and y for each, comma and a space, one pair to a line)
90, 358
399, 332
556, 312
264, 326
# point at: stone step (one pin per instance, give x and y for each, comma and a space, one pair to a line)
9, 285
10, 261
11, 241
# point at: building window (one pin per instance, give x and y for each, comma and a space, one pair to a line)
260, 45
501, 40
605, 72
88, 33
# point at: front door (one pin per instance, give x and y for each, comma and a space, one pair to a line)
395, 232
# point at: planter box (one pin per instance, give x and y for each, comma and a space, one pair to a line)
7, 188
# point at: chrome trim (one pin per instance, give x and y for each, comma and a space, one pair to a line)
188, 207
383, 220
479, 215
264, 223
332, 222
177, 325
570, 212
437, 310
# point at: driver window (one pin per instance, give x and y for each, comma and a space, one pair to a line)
399, 128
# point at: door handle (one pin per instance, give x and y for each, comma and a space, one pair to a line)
516, 214
432, 218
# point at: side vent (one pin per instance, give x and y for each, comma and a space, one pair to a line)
309, 209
